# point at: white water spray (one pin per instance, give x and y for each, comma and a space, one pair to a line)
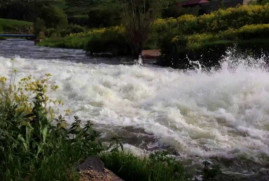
218, 113
139, 61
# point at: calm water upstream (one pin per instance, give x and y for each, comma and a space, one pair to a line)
221, 115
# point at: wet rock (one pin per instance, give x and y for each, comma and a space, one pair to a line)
92, 169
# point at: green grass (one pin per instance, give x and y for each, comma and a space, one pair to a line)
158, 167
15, 26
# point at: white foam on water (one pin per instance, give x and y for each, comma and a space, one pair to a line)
222, 112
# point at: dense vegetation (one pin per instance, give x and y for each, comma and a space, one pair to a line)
100, 27
102, 40
209, 35
45, 14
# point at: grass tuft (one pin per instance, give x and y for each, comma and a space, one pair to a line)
157, 167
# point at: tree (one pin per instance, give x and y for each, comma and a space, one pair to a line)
105, 13
137, 17
263, 1
27, 10
53, 16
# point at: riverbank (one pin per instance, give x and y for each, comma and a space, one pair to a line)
205, 36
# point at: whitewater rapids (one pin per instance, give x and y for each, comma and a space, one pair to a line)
222, 112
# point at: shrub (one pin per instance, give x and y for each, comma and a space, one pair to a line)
111, 40
211, 34
234, 18
246, 32
101, 40
62, 32
216, 21
71, 28
34, 144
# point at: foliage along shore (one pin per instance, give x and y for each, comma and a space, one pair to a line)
246, 27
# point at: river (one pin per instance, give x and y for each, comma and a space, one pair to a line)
221, 115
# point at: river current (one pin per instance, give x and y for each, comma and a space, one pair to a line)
221, 115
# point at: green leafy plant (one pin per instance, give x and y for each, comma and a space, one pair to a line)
34, 145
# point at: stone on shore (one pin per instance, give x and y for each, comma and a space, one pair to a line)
92, 169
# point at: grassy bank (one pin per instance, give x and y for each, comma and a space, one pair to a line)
176, 37
15, 26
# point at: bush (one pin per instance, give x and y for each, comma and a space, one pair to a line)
104, 40
216, 21
246, 32
34, 144
71, 28
111, 40
207, 37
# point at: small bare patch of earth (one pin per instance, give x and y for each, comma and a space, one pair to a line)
92, 169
